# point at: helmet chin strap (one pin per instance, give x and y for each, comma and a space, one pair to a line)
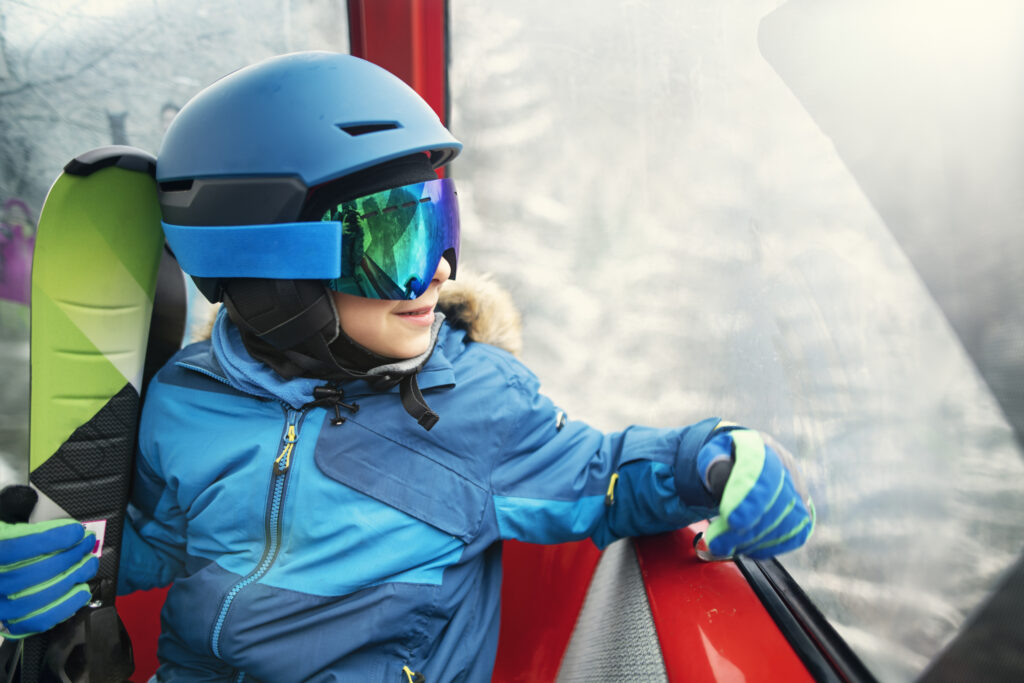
407, 371
383, 373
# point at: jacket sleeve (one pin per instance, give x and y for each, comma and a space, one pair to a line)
153, 545
560, 480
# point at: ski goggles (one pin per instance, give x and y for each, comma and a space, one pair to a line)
385, 245
393, 240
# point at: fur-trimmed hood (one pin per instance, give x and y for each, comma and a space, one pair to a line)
474, 303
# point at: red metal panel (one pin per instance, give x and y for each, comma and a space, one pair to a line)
542, 593
409, 39
140, 612
710, 623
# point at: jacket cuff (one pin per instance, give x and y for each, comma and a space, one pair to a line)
689, 484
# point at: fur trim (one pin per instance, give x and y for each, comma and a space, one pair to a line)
479, 305
474, 302
202, 328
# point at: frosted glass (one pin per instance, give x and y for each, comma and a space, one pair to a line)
794, 215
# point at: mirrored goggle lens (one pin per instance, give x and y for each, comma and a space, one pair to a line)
392, 241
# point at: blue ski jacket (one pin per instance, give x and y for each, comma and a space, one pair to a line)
303, 550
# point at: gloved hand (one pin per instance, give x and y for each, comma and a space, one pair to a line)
765, 509
43, 569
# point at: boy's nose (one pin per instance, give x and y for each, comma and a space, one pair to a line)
443, 272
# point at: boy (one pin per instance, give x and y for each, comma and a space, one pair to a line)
326, 481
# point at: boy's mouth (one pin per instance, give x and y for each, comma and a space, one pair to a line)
423, 316
426, 310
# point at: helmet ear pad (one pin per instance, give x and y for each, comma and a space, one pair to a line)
282, 315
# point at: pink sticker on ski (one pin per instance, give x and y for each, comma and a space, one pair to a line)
99, 527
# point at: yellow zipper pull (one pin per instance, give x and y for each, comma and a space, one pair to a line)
609, 496
412, 676
286, 453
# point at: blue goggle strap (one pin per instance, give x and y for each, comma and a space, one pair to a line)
287, 251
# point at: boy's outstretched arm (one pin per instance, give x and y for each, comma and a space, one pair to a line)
562, 480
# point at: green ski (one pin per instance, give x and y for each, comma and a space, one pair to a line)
97, 254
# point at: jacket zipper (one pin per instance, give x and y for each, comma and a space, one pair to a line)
272, 523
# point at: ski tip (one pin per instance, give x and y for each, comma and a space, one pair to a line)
121, 156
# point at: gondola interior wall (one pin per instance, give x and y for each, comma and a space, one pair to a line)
800, 215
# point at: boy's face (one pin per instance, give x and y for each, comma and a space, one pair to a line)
396, 329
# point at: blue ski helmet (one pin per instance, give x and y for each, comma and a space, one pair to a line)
249, 173
249, 149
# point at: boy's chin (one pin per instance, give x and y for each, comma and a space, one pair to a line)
404, 349
413, 350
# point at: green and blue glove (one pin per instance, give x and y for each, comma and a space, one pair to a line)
43, 567
765, 509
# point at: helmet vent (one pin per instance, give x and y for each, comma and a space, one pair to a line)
176, 185
365, 128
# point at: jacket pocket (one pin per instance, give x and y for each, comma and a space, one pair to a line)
402, 478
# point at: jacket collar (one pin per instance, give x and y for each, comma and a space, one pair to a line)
477, 309
226, 359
